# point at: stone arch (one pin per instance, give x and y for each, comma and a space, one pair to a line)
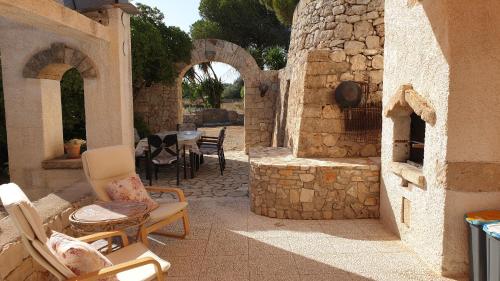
259, 85
53, 62
161, 105
215, 50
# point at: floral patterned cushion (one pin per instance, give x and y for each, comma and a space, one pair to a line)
130, 189
78, 256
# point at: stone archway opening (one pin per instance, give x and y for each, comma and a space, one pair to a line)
161, 106
199, 91
213, 97
258, 100
73, 105
46, 69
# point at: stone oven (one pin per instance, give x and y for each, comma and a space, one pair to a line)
328, 166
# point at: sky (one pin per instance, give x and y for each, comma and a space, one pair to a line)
183, 13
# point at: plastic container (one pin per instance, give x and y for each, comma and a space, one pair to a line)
492, 232
477, 242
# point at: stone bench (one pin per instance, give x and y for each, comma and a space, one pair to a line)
283, 186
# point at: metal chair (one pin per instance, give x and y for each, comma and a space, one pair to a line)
214, 146
162, 153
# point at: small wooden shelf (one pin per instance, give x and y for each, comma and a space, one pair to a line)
62, 164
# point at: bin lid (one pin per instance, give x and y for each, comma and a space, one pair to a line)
492, 229
483, 217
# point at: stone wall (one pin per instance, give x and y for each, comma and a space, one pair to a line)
214, 116
55, 210
444, 50
40, 41
332, 41
159, 107
282, 186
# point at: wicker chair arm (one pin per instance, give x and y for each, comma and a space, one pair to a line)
177, 191
103, 235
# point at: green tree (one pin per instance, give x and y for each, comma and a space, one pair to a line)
283, 9
156, 48
275, 58
212, 88
204, 84
232, 91
246, 23
73, 105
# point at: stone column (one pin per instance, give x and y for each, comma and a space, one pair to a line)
117, 106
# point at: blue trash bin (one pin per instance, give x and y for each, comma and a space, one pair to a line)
477, 242
492, 232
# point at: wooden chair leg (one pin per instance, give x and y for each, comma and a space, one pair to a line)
185, 222
144, 236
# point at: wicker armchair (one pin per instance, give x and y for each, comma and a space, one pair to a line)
131, 262
103, 165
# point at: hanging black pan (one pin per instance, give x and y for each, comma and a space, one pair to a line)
348, 94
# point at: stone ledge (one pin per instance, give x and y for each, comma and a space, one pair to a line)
409, 173
283, 157
62, 164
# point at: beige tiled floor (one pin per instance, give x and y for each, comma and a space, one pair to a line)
228, 242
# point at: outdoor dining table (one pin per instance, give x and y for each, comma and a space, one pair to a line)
187, 140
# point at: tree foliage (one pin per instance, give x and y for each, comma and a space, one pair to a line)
73, 105
244, 22
283, 9
203, 84
275, 57
156, 48
233, 91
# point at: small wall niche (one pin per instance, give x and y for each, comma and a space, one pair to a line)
411, 113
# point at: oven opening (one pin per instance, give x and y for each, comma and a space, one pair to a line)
417, 140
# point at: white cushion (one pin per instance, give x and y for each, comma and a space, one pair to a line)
164, 159
78, 256
130, 189
133, 252
166, 210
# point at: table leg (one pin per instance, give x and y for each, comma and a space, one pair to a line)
192, 164
184, 160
